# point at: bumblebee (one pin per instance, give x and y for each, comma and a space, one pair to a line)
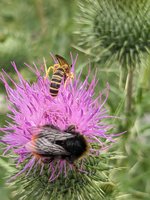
60, 71
50, 143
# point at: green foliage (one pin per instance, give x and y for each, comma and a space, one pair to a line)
144, 78
135, 179
38, 26
12, 48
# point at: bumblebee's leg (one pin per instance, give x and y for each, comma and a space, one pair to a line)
48, 160
70, 129
75, 167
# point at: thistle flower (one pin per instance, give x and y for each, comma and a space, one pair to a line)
32, 106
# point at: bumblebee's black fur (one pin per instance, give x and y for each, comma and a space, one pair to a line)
75, 146
51, 143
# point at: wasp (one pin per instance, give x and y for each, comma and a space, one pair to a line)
50, 143
60, 71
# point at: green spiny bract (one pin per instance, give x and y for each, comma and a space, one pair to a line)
95, 184
116, 28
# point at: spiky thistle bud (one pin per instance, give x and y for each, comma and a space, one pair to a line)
116, 28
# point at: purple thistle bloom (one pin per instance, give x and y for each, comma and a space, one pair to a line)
32, 106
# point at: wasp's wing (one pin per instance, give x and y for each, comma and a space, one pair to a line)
61, 60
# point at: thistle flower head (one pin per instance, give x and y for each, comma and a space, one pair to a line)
32, 107
115, 28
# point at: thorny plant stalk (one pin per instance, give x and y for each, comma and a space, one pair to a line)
129, 87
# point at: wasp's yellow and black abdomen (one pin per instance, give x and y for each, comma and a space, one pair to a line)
56, 81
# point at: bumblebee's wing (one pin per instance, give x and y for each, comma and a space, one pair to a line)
51, 133
43, 147
44, 141
61, 60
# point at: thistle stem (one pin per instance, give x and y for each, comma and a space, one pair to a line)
123, 75
128, 100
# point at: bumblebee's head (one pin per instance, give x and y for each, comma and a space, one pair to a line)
77, 146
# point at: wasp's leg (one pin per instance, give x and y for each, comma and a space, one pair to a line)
54, 68
69, 76
48, 71
65, 84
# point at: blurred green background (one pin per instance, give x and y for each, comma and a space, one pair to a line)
29, 31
